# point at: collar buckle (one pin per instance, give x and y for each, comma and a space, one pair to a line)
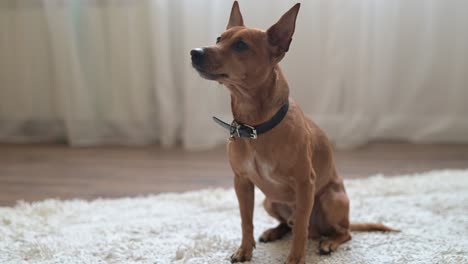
235, 129
242, 130
253, 133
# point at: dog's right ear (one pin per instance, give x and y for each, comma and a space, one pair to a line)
235, 20
280, 34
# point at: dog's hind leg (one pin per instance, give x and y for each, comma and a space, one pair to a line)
282, 213
333, 215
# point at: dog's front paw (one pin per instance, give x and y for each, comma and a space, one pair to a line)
241, 255
295, 260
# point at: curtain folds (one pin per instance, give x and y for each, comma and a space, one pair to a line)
118, 71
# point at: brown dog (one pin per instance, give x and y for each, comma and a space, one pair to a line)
292, 162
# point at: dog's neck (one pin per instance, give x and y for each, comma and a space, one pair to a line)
254, 104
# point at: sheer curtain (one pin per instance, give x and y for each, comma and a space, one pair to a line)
118, 71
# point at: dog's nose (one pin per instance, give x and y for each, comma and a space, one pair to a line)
197, 56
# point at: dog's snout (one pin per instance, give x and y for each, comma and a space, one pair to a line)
197, 56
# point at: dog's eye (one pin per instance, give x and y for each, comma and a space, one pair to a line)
218, 40
240, 46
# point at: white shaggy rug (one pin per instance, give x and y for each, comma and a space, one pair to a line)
431, 209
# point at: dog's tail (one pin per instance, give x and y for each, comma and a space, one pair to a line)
371, 227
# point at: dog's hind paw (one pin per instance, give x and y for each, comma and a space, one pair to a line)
325, 247
276, 233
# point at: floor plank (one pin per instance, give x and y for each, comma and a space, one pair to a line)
36, 172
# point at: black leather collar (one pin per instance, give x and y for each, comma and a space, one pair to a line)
237, 129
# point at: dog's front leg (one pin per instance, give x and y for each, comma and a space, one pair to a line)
245, 195
304, 204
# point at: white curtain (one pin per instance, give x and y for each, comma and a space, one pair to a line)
118, 71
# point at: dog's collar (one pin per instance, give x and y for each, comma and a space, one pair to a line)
237, 129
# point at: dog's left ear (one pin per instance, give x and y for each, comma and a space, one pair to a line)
235, 20
280, 34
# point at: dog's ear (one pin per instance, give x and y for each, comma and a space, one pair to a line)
235, 20
280, 34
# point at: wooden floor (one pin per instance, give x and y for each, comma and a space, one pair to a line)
35, 172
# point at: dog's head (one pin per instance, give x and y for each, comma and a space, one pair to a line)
243, 55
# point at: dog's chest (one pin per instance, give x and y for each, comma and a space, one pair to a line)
263, 170
267, 175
